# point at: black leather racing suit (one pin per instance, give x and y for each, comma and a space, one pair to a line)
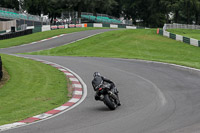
97, 81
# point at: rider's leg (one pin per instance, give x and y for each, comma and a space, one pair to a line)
97, 97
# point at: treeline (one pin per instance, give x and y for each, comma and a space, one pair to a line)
150, 13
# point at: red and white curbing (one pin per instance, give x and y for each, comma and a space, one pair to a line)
79, 94
44, 39
54, 38
48, 39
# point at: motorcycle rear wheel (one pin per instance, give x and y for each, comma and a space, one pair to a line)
110, 102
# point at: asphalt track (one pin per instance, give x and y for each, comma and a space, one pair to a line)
156, 98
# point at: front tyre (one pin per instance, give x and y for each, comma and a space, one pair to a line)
110, 102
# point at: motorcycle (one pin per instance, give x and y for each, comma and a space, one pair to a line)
107, 95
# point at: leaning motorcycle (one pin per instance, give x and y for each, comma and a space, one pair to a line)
107, 95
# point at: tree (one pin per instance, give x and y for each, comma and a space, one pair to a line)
53, 8
13, 4
170, 7
186, 12
196, 9
149, 12
77, 5
102, 6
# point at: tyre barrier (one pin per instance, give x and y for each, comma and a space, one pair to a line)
15, 34
177, 37
1, 72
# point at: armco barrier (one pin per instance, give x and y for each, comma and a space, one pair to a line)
61, 27
46, 28
40, 28
2, 32
179, 38
37, 29
72, 26
1, 72
53, 27
161, 33
121, 26
113, 26
131, 27
106, 25
77, 25
98, 25
184, 39
172, 36
90, 25
194, 42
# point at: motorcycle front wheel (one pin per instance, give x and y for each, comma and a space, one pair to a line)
110, 102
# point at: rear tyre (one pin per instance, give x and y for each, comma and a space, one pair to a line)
110, 102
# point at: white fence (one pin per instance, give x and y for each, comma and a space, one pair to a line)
180, 26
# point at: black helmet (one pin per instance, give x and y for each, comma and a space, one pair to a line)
96, 74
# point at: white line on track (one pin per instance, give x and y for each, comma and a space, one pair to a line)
159, 92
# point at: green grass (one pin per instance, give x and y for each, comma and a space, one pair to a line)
186, 32
38, 36
33, 88
137, 44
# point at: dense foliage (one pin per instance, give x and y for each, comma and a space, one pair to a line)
150, 13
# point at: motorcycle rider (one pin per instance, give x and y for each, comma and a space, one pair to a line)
98, 79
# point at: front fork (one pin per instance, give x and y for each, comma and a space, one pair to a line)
112, 95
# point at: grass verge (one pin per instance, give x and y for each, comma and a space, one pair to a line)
39, 36
33, 88
137, 44
186, 32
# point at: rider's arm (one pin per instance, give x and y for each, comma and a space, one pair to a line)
107, 80
93, 85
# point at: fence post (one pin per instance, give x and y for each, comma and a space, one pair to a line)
1, 72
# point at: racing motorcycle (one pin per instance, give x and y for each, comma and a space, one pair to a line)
107, 95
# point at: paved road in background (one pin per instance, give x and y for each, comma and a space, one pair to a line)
53, 42
156, 98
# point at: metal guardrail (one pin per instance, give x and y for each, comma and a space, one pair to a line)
181, 38
180, 26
